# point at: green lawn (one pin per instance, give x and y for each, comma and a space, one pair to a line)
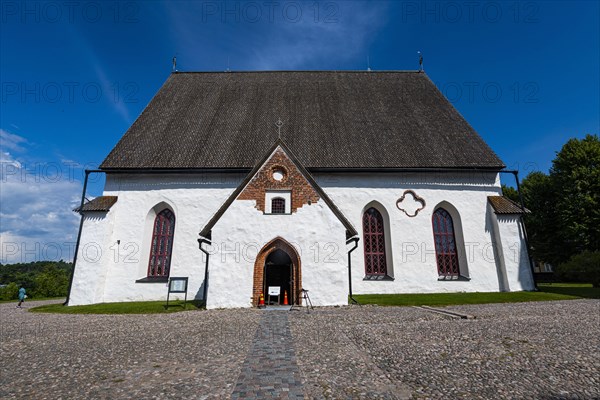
138, 307
573, 289
555, 291
547, 291
27, 300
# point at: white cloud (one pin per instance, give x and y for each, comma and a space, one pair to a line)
11, 141
276, 35
346, 36
36, 217
117, 103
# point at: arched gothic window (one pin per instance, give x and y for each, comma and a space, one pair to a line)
278, 206
162, 244
374, 243
445, 244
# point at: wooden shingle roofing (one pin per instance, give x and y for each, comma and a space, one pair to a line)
331, 119
100, 203
503, 205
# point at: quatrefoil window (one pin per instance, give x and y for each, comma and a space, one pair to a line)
410, 203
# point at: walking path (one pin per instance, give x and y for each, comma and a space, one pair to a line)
270, 370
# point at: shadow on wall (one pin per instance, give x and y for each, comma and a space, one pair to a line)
472, 181
150, 182
95, 216
497, 246
525, 268
199, 296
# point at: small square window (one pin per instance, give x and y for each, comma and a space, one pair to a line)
278, 202
278, 206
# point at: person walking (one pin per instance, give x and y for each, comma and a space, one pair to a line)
22, 296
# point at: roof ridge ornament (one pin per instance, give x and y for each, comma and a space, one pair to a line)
279, 124
420, 61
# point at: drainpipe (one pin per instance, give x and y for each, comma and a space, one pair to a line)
355, 240
85, 181
208, 242
522, 221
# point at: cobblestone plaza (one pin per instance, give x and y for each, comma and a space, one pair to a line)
545, 350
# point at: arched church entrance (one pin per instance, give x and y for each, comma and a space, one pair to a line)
277, 264
278, 273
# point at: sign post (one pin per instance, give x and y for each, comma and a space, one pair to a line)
178, 285
274, 291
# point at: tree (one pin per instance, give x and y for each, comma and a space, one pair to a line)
511, 193
575, 177
584, 267
542, 223
9, 292
25, 274
565, 205
52, 282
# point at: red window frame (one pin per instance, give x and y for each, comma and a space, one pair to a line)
374, 243
278, 205
161, 244
445, 243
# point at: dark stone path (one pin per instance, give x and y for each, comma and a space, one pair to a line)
270, 370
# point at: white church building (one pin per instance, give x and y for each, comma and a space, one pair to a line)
340, 183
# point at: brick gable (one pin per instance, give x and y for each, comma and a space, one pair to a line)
301, 190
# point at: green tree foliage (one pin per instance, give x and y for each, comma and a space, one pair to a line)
542, 223
584, 267
511, 193
565, 204
9, 292
52, 282
40, 278
576, 178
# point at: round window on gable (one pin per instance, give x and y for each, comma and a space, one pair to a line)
278, 174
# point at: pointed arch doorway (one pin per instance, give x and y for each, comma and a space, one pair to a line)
277, 264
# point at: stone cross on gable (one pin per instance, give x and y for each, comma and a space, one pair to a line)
279, 123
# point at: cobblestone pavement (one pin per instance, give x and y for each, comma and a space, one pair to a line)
546, 350
270, 370
192, 355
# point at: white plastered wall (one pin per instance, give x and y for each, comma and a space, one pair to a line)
93, 262
314, 231
412, 247
123, 236
513, 249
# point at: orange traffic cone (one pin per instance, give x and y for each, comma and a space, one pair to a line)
261, 301
285, 300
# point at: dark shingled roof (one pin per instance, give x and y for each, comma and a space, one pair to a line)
331, 119
503, 205
101, 203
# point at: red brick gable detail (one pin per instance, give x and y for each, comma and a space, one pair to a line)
302, 191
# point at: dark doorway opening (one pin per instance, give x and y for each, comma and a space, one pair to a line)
278, 272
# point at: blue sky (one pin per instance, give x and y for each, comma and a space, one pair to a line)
75, 75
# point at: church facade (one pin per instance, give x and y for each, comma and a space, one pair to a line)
339, 183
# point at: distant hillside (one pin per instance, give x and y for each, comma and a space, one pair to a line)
39, 278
